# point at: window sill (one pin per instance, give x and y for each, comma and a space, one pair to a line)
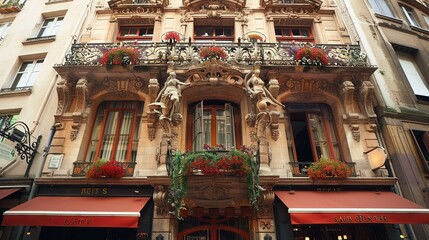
419, 29
38, 40
56, 1
390, 19
15, 91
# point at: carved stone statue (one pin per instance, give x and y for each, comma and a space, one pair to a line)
168, 99
263, 98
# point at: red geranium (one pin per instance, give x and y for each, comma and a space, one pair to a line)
105, 169
120, 56
311, 56
212, 52
172, 35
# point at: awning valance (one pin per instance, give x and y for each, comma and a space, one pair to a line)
120, 212
351, 207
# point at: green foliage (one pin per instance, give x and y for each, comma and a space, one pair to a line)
238, 163
326, 167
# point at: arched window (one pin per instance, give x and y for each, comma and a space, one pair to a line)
114, 135
311, 133
213, 123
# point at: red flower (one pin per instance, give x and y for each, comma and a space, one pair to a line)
106, 169
212, 52
329, 167
311, 56
172, 35
120, 56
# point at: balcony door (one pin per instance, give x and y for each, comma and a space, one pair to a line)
213, 123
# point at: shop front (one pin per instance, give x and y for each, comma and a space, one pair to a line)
314, 215
86, 212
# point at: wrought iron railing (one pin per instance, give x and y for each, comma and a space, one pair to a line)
244, 53
299, 169
80, 168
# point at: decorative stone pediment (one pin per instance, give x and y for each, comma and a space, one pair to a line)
295, 4
134, 4
214, 70
214, 5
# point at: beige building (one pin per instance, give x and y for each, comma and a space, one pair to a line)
138, 83
399, 31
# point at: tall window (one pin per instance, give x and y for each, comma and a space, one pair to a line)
213, 123
381, 6
422, 140
414, 76
115, 131
296, 34
135, 33
426, 18
3, 29
311, 133
410, 15
50, 27
27, 74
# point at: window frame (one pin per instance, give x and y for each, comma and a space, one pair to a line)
328, 125
30, 75
417, 84
4, 27
137, 36
382, 7
421, 147
47, 30
410, 15
291, 37
213, 106
98, 139
214, 35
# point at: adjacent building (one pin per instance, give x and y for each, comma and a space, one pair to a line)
160, 88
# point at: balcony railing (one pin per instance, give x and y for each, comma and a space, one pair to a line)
299, 169
80, 168
245, 53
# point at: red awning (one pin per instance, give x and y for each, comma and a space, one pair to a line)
312, 207
7, 191
120, 212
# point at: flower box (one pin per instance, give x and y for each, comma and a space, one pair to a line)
311, 56
120, 56
105, 169
329, 168
234, 167
207, 53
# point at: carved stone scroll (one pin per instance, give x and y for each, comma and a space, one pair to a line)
366, 98
63, 93
82, 94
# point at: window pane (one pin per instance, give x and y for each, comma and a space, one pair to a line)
278, 32
414, 76
109, 135
207, 128
380, 6
124, 137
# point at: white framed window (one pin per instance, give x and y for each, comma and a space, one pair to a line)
381, 6
426, 18
409, 14
3, 29
50, 27
27, 74
414, 75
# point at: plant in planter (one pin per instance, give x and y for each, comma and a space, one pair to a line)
208, 163
329, 168
120, 56
311, 56
105, 169
212, 52
172, 35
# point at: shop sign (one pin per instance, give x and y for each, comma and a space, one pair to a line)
93, 191
361, 218
7, 153
77, 221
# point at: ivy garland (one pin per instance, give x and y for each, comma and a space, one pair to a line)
181, 165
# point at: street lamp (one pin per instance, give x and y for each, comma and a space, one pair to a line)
26, 145
376, 157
